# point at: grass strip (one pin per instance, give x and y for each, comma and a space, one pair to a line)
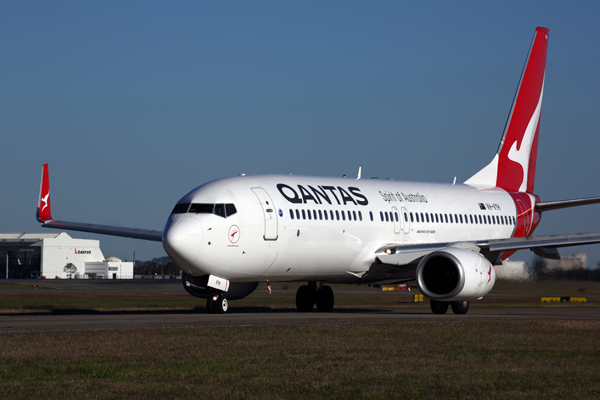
432, 360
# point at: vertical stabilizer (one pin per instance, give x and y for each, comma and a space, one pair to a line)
513, 167
43, 213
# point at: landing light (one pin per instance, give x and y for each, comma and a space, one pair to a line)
390, 251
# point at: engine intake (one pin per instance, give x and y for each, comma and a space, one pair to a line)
455, 274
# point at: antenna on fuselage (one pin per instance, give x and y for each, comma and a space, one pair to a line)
359, 170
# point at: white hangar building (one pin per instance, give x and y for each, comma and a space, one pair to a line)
33, 255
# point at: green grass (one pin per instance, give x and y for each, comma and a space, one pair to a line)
457, 360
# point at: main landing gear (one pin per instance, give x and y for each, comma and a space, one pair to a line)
458, 307
309, 295
217, 304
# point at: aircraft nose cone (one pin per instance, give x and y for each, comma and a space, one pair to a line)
182, 239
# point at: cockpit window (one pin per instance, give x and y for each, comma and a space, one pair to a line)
222, 210
201, 208
230, 209
181, 208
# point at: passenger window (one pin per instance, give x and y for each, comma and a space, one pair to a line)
220, 210
360, 215
489, 220
471, 218
396, 216
381, 216
354, 214
451, 221
422, 218
303, 214
461, 221
337, 215
431, 215
436, 218
446, 217
411, 217
325, 214
292, 214
181, 208
371, 215
331, 214
386, 217
309, 214
427, 216
417, 216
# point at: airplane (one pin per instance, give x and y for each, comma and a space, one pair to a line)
230, 234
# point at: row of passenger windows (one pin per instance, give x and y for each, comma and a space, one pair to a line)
314, 214
386, 216
456, 218
222, 210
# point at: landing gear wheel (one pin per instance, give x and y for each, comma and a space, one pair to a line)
325, 299
217, 304
438, 307
222, 304
305, 299
211, 306
460, 307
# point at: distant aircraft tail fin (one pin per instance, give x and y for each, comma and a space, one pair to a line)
43, 213
513, 167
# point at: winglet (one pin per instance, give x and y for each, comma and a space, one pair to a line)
43, 212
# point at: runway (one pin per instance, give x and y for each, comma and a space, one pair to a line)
269, 317
250, 316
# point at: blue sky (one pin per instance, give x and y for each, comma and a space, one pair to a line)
133, 104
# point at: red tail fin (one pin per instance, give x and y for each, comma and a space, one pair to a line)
513, 167
43, 213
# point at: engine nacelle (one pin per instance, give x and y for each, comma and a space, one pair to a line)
198, 286
452, 274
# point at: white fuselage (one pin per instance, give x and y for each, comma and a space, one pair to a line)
296, 228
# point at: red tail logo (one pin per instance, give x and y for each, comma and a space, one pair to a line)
43, 209
513, 167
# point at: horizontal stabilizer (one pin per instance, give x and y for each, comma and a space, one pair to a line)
556, 205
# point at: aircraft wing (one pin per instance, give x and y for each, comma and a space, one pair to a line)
44, 215
544, 246
134, 233
574, 239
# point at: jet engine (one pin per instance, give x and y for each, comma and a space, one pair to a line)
452, 274
197, 286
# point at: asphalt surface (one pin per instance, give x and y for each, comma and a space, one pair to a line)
248, 316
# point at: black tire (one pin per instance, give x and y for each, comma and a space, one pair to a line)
211, 306
222, 304
325, 299
305, 299
438, 307
460, 307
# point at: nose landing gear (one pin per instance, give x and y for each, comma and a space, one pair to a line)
217, 304
309, 295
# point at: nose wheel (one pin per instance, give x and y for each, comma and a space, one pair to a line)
217, 304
